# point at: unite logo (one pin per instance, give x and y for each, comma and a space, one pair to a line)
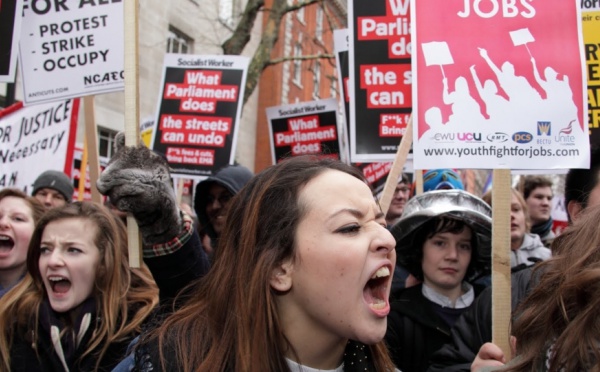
543, 128
564, 136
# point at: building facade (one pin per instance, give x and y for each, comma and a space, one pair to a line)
307, 73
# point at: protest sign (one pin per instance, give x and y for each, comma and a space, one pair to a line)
10, 29
71, 48
504, 96
304, 128
591, 38
340, 42
560, 218
146, 129
380, 77
198, 112
35, 139
376, 174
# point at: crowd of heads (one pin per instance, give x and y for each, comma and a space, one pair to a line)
290, 236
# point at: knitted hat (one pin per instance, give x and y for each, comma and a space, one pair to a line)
54, 180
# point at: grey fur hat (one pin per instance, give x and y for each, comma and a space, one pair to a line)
54, 180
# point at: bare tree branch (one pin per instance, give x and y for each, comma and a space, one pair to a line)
263, 52
270, 33
299, 58
241, 36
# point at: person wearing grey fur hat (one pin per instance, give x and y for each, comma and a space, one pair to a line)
443, 239
53, 189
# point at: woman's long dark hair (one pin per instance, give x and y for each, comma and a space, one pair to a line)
561, 314
231, 322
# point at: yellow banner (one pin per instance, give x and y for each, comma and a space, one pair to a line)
591, 39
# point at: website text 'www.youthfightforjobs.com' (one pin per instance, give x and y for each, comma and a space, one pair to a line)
501, 151
499, 144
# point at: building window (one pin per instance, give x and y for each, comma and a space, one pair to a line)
300, 15
319, 28
298, 62
333, 87
226, 12
178, 42
316, 79
106, 142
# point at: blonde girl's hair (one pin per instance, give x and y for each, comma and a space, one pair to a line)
124, 297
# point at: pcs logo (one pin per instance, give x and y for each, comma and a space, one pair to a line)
522, 137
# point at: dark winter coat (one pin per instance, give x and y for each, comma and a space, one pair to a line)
45, 356
171, 272
474, 328
357, 358
415, 331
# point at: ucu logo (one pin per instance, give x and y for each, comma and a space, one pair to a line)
469, 137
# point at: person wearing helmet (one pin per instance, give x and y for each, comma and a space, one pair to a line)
444, 240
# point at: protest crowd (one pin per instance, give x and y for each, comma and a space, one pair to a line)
280, 271
331, 257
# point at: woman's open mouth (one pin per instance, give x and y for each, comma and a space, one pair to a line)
6, 244
59, 284
376, 291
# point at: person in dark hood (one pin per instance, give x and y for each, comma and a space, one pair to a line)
212, 199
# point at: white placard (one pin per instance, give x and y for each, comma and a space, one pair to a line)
71, 48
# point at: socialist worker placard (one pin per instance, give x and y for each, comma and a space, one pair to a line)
306, 128
199, 109
380, 77
499, 84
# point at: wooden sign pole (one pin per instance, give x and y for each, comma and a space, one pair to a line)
91, 139
418, 181
501, 299
132, 112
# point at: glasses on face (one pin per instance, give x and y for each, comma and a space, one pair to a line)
402, 190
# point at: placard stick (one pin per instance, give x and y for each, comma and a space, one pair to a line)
501, 199
91, 140
132, 113
180, 183
418, 181
82, 172
397, 166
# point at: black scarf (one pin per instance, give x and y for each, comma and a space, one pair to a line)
542, 229
66, 344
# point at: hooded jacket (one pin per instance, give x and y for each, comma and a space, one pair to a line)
532, 247
233, 178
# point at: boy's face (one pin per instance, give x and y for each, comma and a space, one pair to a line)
446, 258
